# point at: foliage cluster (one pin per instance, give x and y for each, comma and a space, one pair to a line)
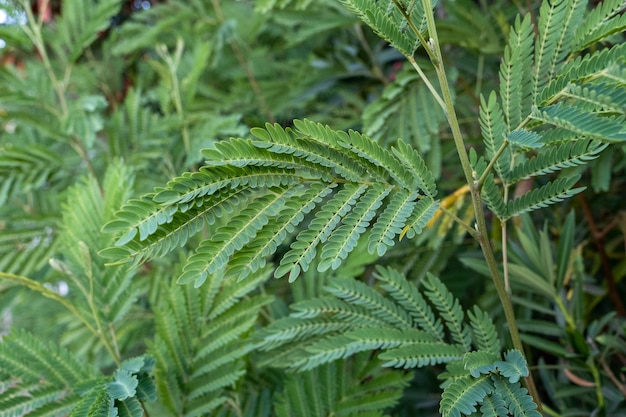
160, 167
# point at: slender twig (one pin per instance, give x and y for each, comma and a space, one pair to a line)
46, 292
429, 85
459, 221
493, 161
481, 225
621, 387
425, 44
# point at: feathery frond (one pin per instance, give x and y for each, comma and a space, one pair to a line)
213, 255
516, 398
199, 355
390, 222
485, 333
557, 157
494, 131
590, 125
606, 19
411, 300
423, 177
358, 293
463, 394
515, 79
305, 163
550, 193
304, 249
449, 309
557, 22
320, 391
420, 355
343, 239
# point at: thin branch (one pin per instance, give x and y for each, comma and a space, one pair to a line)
429, 85
493, 161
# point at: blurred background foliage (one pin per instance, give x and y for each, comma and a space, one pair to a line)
110, 98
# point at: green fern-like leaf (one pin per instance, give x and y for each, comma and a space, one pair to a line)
560, 156
344, 239
516, 398
590, 66
493, 406
303, 250
524, 139
213, 255
391, 221
130, 407
279, 141
30, 359
201, 342
183, 225
123, 385
346, 179
37, 399
411, 300
480, 362
601, 97
423, 177
604, 20
591, 125
463, 395
81, 22
350, 313
358, 293
320, 391
513, 367
450, 310
293, 329
139, 216
423, 213
374, 153
484, 331
557, 22
550, 193
387, 28
253, 256
423, 354
515, 79
494, 130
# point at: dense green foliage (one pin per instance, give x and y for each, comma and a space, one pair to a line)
160, 168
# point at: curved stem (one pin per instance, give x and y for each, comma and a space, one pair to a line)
427, 82
481, 224
493, 161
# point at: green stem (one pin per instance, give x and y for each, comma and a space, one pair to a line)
429, 85
46, 292
482, 235
459, 221
493, 161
